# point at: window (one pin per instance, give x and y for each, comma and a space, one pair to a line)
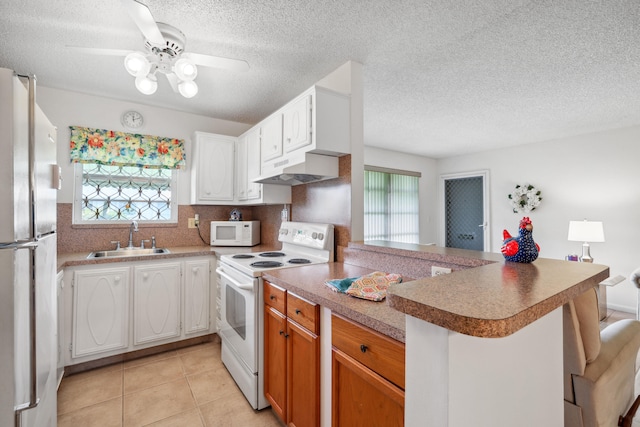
391, 210
112, 194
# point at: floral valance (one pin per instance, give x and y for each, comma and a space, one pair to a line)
108, 147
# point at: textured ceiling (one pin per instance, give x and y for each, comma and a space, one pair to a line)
440, 77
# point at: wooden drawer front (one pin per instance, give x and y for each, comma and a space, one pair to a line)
275, 297
374, 350
303, 312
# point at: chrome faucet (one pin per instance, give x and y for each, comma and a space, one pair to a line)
133, 227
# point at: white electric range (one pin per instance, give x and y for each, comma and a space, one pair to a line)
241, 309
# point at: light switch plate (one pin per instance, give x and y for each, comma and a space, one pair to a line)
437, 271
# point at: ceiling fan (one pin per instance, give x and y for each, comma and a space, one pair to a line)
164, 53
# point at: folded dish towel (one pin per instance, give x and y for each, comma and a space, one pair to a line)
340, 285
373, 286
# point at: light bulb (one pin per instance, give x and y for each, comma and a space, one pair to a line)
147, 84
188, 88
137, 64
185, 69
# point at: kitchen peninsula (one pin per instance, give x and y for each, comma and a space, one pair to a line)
483, 344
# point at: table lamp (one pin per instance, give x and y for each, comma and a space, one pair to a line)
586, 231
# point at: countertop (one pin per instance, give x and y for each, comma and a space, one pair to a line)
498, 299
80, 258
308, 282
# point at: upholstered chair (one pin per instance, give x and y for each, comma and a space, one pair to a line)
599, 367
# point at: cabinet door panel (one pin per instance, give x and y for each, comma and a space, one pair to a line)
196, 296
297, 124
275, 360
360, 397
303, 377
156, 302
253, 164
100, 310
214, 172
272, 138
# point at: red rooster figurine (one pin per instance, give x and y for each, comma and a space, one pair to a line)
521, 248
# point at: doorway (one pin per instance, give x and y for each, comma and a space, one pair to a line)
465, 211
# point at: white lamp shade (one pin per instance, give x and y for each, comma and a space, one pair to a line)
185, 69
137, 64
188, 88
586, 231
147, 84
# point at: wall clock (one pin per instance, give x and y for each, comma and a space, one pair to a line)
132, 120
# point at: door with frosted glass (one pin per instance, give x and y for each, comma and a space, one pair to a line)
464, 213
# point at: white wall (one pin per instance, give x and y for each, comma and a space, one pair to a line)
65, 108
427, 185
594, 176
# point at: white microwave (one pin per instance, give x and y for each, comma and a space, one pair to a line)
235, 233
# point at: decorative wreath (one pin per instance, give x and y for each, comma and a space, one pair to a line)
525, 198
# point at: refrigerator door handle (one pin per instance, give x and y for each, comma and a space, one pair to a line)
27, 244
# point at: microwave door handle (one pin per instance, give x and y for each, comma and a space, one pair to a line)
244, 286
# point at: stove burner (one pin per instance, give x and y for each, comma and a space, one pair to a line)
243, 256
299, 261
272, 254
266, 264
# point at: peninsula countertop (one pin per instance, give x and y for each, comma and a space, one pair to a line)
498, 299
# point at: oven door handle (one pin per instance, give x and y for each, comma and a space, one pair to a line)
245, 286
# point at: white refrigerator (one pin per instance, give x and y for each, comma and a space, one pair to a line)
28, 313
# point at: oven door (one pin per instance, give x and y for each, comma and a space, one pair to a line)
238, 327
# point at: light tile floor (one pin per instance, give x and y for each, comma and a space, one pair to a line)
186, 387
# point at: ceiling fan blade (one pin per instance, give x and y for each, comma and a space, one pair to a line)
173, 81
141, 15
217, 62
99, 51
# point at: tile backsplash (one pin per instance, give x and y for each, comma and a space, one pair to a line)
324, 202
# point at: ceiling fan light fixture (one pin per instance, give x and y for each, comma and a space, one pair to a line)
147, 84
137, 64
188, 88
185, 69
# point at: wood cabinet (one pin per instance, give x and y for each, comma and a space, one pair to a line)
213, 168
367, 376
156, 302
100, 310
292, 357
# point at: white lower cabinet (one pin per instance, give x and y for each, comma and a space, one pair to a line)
125, 306
156, 302
196, 296
100, 310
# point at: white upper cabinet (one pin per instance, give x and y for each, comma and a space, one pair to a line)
272, 137
254, 190
213, 171
241, 168
296, 130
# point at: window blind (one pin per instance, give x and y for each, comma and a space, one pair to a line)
391, 210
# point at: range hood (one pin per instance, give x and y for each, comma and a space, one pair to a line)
301, 170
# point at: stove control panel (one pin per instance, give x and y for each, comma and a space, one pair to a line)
306, 234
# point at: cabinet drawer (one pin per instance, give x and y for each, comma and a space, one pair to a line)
374, 350
303, 312
275, 296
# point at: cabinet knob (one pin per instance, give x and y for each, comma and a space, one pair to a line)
281, 332
195, 270
145, 276
298, 311
116, 279
363, 348
272, 297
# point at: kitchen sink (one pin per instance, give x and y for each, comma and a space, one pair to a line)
127, 252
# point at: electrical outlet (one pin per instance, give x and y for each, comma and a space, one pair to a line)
191, 223
437, 271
